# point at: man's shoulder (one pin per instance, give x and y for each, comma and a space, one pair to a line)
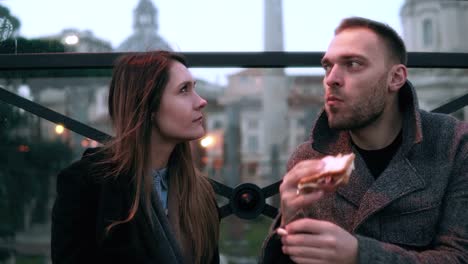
437, 123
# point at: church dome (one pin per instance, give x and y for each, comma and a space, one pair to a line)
145, 6
145, 36
143, 42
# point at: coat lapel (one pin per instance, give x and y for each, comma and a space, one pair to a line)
359, 182
333, 142
362, 190
162, 229
154, 232
155, 236
400, 178
174, 220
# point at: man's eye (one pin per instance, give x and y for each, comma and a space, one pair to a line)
326, 67
354, 64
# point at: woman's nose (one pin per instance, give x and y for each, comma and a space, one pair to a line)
201, 102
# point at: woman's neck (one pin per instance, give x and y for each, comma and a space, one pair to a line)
160, 152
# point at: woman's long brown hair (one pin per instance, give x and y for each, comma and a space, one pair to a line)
136, 89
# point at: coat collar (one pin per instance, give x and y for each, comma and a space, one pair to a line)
366, 193
331, 142
154, 231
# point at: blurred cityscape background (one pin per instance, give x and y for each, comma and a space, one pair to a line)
254, 119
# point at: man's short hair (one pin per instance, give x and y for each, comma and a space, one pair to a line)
392, 40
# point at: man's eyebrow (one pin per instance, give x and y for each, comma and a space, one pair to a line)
352, 56
345, 57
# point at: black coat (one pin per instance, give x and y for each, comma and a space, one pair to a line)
86, 204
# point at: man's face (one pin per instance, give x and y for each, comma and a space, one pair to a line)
356, 79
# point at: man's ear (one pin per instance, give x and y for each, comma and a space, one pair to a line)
398, 75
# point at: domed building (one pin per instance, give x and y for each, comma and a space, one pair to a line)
437, 26
145, 30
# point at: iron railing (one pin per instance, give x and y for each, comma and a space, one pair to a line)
246, 200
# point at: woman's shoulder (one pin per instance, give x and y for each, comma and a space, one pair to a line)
85, 170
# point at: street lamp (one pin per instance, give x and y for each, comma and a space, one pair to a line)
72, 39
59, 129
207, 141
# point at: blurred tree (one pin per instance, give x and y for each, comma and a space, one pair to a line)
5, 13
27, 170
20, 44
28, 165
23, 45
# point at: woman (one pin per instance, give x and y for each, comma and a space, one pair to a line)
139, 199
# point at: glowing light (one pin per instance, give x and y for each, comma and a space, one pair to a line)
72, 40
94, 143
207, 141
59, 129
85, 143
23, 148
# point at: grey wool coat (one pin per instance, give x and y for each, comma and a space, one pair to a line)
416, 211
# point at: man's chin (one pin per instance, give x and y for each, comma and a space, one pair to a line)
338, 124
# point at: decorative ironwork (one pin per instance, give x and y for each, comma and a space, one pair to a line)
246, 200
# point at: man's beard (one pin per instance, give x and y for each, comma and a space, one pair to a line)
362, 113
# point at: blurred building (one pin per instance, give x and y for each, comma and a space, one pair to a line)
437, 26
145, 35
76, 40
72, 96
269, 113
244, 95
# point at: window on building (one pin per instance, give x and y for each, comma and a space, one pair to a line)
217, 124
428, 32
145, 19
252, 168
252, 124
243, 80
301, 122
300, 138
252, 144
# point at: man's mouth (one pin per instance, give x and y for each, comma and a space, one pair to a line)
198, 119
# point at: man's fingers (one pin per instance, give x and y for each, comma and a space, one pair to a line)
281, 231
291, 204
314, 164
302, 169
300, 201
309, 225
299, 260
307, 239
306, 252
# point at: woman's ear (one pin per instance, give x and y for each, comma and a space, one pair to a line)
398, 75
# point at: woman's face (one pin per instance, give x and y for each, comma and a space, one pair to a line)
179, 117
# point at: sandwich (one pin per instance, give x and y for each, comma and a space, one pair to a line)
334, 173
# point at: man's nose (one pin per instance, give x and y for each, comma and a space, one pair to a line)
335, 77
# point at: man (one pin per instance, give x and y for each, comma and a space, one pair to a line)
407, 199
